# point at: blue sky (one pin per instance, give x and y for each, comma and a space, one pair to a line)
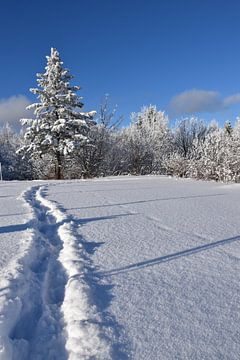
183, 56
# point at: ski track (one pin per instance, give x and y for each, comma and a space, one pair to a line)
58, 318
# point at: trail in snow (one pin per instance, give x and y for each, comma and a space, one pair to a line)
41, 321
59, 317
90, 333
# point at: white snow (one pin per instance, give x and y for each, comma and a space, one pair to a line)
15, 250
117, 268
83, 339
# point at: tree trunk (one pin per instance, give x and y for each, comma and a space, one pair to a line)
58, 167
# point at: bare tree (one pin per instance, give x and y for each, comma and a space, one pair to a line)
186, 131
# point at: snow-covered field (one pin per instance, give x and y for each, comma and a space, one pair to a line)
128, 267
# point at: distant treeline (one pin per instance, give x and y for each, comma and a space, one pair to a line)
147, 146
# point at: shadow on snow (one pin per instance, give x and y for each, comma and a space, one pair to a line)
102, 292
14, 228
147, 201
170, 257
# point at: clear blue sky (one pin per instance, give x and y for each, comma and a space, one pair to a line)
138, 51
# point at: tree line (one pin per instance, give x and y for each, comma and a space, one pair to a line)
63, 142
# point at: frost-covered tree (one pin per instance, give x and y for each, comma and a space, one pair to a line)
96, 159
175, 164
13, 167
186, 131
235, 156
149, 140
211, 157
59, 129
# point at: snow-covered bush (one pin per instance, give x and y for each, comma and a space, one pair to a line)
149, 140
176, 164
96, 158
13, 167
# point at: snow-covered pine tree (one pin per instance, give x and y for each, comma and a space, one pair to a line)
59, 128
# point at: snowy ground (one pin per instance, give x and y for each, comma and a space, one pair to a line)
129, 267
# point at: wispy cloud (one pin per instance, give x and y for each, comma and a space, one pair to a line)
198, 101
12, 109
232, 100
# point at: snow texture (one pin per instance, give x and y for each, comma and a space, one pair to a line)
47, 312
167, 254
119, 268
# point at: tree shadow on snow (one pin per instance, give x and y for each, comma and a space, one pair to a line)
147, 201
85, 221
170, 257
10, 215
13, 228
7, 196
80, 190
101, 292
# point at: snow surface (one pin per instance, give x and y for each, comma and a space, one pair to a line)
117, 268
15, 248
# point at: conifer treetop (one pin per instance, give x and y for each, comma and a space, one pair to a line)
58, 128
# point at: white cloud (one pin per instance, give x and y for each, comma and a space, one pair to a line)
12, 109
232, 100
197, 101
